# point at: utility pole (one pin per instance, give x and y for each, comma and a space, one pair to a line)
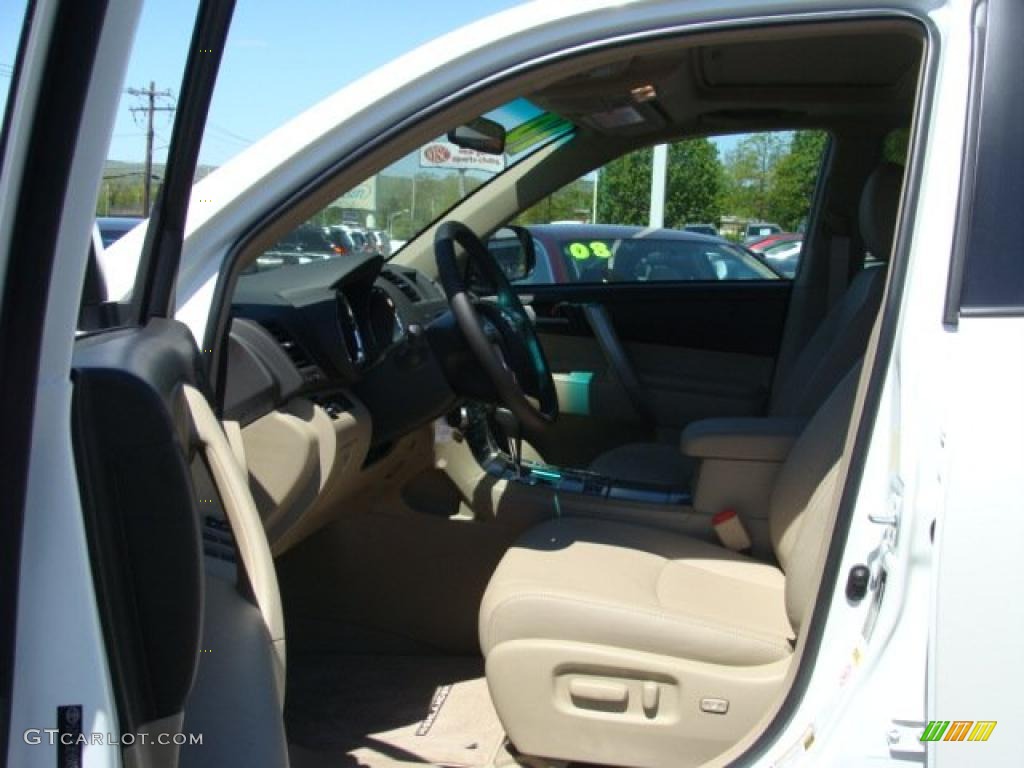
659, 170
151, 94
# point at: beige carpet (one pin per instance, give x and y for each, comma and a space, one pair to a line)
382, 711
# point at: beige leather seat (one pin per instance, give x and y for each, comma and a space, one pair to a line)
622, 644
839, 340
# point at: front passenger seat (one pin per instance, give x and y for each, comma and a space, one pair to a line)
839, 340
616, 643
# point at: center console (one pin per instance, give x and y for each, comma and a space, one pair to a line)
474, 421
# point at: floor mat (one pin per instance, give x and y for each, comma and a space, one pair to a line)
387, 710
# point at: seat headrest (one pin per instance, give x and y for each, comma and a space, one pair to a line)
879, 205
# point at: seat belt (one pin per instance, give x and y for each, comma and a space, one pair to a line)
838, 268
618, 361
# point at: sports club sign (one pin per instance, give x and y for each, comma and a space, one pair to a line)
361, 198
443, 154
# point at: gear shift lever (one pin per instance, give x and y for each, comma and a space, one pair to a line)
510, 426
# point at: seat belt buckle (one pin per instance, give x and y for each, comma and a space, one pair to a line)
731, 532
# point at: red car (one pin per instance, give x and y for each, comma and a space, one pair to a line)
776, 239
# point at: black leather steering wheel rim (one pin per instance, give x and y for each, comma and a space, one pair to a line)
466, 310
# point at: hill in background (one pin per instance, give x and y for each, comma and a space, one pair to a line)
121, 191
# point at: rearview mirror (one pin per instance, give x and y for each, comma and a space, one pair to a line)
482, 135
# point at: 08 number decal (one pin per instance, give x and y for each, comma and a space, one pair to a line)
583, 251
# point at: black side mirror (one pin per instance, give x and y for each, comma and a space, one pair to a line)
512, 247
481, 134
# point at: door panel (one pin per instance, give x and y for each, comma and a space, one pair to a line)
698, 351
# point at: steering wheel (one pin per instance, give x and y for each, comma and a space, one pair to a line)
499, 332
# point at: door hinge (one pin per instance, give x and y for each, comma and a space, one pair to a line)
880, 560
893, 505
890, 518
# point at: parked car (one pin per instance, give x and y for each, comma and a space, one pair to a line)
606, 253
306, 239
783, 256
781, 251
361, 240
756, 230
769, 240
303, 245
340, 239
382, 243
113, 228
702, 229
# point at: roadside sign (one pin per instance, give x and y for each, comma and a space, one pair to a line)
444, 154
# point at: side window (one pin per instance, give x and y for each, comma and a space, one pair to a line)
734, 208
990, 229
136, 157
11, 22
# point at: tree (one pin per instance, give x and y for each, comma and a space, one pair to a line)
571, 203
750, 168
695, 183
794, 178
693, 188
624, 189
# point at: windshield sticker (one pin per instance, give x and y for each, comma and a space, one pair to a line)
583, 251
539, 129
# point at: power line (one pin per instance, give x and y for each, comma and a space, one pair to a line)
228, 134
150, 107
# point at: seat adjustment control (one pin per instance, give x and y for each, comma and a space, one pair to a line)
599, 694
650, 693
714, 706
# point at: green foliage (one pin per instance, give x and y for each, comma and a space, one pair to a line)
412, 207
695, 185
895, 148
121, 192
794, 178
624, 189
573, 202
749, 168
768, 176
693, 190
120, 198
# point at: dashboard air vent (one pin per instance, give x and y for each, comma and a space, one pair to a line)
404, 283
307, 368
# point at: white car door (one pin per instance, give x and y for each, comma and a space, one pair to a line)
54, 678
974, 702
109, 594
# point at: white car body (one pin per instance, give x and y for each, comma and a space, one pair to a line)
946, 631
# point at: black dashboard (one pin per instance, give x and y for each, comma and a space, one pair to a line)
355, 323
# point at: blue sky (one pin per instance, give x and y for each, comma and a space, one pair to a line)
281, 58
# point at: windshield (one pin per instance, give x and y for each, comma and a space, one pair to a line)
382, 213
